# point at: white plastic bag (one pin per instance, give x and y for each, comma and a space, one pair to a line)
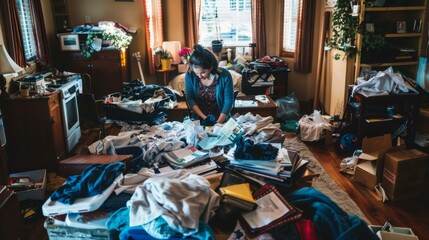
313, 129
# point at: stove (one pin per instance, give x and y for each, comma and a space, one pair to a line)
69, 86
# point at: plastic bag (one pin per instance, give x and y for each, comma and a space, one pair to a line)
312, 127
288, 108
288, 112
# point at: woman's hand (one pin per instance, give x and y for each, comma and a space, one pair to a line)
210, 120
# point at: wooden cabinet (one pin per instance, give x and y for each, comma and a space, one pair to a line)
371, 118
108, 69
392, 35
34, 132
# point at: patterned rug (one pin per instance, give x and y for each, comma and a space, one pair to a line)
324, 182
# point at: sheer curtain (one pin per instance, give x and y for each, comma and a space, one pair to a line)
304, 36
258, 26
154, 30
13, 39
191, 13
42, 48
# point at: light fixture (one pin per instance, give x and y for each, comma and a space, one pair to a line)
7, 65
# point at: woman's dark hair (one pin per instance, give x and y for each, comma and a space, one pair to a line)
203, 57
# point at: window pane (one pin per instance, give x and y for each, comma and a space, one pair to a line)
27, 29
290, 25
229, 20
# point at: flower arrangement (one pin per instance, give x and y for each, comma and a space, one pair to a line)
185, 53
120, 39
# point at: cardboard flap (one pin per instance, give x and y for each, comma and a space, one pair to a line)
376, 146
367, 157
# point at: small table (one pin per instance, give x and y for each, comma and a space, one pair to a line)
263, 109
165, 73
77, 164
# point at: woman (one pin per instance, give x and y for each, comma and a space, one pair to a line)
209, 89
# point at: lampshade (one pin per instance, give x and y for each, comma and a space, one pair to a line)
7, 65
173, 47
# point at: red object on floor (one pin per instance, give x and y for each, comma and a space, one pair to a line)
306, 229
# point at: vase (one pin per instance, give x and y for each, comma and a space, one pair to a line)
165, 64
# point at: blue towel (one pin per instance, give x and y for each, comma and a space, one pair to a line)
94, 180
330, 221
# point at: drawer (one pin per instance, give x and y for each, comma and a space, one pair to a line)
106, 55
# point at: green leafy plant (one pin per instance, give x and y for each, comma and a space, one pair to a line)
344, 28
163, 53
120, 39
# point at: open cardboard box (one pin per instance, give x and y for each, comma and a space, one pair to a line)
369, 169
396, 233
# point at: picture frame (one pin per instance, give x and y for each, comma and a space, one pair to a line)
370, 27
69, 42
401, 27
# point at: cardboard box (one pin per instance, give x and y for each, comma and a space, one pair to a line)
36, 176
404, 174
395, 233
369, 169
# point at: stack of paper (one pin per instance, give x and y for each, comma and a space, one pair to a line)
185, 157
283, 170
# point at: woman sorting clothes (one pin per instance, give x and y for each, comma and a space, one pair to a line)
209, 89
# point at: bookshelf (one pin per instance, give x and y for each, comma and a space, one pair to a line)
400, 32
61, 16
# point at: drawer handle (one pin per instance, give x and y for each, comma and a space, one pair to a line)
55, 101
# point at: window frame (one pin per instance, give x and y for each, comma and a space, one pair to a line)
240, 6
27, 30
283, 53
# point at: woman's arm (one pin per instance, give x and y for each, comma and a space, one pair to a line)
228, 95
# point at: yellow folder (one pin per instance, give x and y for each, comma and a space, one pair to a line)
240, 191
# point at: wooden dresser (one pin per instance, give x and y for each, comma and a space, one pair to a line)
108, 69
34, 132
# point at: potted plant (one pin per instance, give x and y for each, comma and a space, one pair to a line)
119, 39
166, 57
345, 26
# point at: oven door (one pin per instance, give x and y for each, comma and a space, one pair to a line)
71, 118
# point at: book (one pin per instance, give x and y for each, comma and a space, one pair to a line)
238, 195
185, 157
272, 211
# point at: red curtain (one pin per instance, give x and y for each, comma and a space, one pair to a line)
13, 38
191, 13
258, 26
154, 30
304, 36
41, 40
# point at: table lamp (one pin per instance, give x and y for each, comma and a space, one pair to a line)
7, 65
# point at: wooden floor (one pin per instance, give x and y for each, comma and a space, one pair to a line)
412, 213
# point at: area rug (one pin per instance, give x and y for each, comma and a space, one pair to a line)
324, 182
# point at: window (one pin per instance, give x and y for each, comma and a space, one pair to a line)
27, 29
229, 20
291, 8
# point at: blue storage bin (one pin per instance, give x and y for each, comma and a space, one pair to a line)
137, 161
